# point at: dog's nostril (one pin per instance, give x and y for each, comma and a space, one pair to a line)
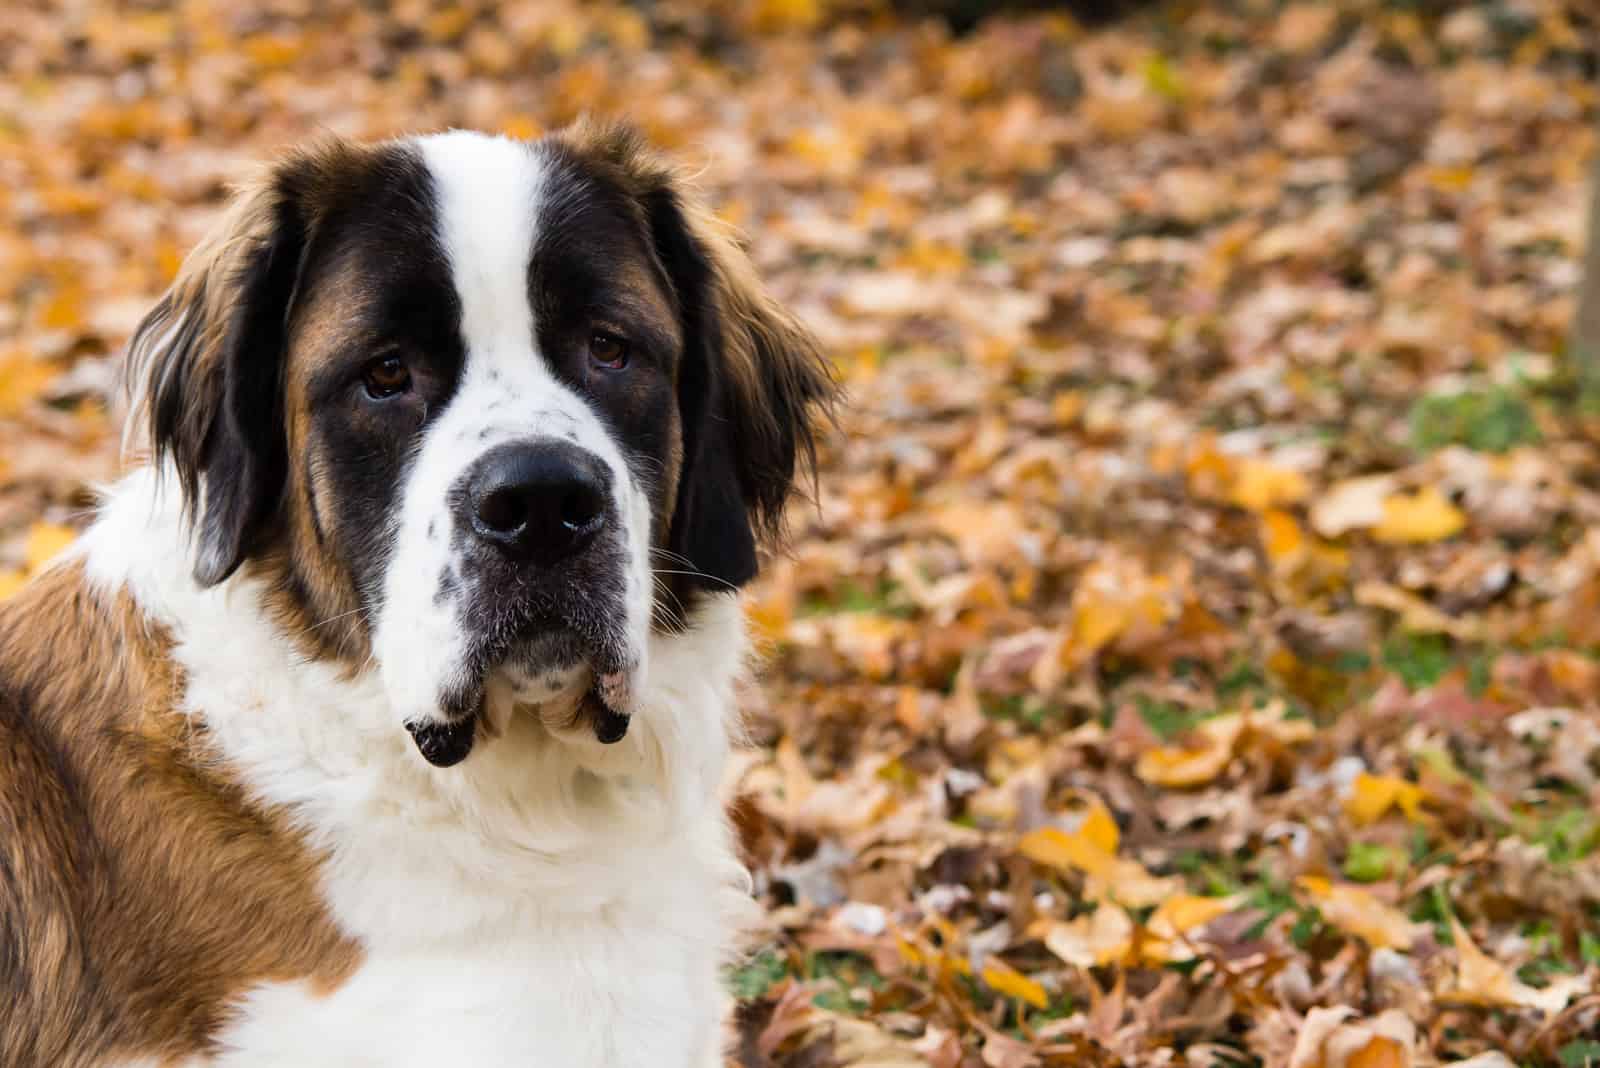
503, 510
580, 507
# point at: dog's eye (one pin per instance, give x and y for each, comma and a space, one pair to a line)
608, 350
385, 376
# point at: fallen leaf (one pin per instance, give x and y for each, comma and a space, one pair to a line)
45, 542
1482, 980
1210, 747
1372, 796
1426, 515
1333, 1038
1104, 936
1356, 911
1006, 980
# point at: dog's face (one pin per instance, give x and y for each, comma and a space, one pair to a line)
481, 412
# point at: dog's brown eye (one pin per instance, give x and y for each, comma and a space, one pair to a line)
385, 376
608, 350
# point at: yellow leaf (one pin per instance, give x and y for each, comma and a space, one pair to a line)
446, 24
1184, 912
1193, 764
1426, 515
1057, 849
45, 540
1006, 980
770, 613
1203, 755
1356, 911
269, 51
787, 14
521, 127
1099, 829
1091, 849
11, 580
64, 310
1104, 936
1259, 485
22, 379
1372, 796
1177, 916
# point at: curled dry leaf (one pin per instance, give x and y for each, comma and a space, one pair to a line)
1206, 752
1482, 980
1355, 910
1336, 1038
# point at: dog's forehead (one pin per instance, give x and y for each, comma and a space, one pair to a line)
487, 192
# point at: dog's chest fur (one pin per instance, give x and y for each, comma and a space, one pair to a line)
502, 908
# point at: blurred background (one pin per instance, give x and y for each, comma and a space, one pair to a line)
1190, 655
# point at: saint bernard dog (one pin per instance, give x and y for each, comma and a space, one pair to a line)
380, 719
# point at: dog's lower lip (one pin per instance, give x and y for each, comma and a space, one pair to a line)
610, 726
444, 744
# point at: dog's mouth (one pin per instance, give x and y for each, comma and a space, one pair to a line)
600, 664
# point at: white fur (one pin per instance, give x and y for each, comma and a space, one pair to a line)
531, 906
488, 194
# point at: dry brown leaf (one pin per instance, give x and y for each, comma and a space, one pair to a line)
1354, 910
1482, 980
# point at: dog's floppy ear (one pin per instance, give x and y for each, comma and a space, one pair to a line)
205, 367
753, 386
762, 387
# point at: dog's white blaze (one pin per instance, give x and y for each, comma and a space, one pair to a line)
487, 194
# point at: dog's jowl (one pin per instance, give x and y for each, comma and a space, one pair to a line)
379, 717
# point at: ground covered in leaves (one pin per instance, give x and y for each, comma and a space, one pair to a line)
1190, 657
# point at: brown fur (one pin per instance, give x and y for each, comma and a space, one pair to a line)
779, 380
140, 889
309, 593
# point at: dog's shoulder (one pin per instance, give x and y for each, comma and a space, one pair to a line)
115, 945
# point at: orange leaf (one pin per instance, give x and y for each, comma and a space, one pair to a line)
45, 542
1006, 980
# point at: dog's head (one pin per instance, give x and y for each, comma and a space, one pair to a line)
481, 412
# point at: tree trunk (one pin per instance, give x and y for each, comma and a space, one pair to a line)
1585, 344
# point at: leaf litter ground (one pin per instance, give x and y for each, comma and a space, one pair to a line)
1191, 654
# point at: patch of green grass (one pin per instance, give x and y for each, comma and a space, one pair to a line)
1369, 862
1434, 908
1028, 712
1218, 876
1589, 948
1567, 836
1580, 1053
1419, 659
756, 976
1274, 899
1167, 718
1492, 419
853, 597
1545, 946
840, 973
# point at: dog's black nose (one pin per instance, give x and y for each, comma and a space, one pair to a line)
541, 501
